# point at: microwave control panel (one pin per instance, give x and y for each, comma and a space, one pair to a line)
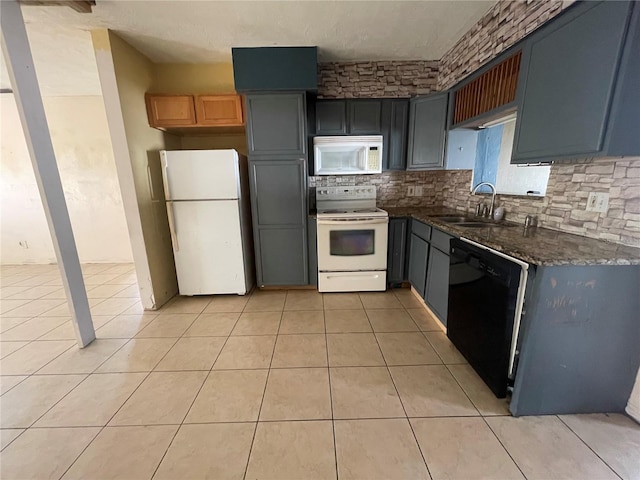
373, 159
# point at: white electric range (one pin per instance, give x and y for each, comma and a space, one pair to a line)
352, 240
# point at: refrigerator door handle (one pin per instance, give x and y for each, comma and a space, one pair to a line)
167, 191
172, 227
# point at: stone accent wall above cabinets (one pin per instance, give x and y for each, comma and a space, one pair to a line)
501, 27
377, 79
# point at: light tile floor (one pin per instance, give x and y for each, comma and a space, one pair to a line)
281, 385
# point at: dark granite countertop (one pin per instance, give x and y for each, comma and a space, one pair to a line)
540, 246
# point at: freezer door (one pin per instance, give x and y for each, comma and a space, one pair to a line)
200, 174
207, 247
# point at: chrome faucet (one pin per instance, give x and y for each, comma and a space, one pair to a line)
493, 196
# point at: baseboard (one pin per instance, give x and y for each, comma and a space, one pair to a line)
429, 311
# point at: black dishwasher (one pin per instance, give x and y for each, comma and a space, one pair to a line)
484, 301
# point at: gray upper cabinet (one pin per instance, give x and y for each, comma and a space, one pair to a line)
331, 117
276, 124
365, 117
427, 129
577, 71
349, 117
279, 208
395, 155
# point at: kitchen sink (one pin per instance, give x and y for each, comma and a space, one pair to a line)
484, 225
454, 219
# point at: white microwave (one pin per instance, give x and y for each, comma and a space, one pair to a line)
347, 155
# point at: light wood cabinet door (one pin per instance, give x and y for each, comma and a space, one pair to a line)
170, 110
222, 110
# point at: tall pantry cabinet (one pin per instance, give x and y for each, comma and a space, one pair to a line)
276, 137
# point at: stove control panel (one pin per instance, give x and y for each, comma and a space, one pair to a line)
365, 192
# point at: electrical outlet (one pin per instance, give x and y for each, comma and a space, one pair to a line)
411, 191
419, 191
598, 202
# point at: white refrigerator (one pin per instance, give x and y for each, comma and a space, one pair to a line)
207, 197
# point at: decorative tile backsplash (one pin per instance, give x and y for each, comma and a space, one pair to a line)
563, 207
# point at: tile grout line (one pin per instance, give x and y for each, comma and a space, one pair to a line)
333, 420
117, 410
588, 446
424, 460
486, 422
199, 390
264, 391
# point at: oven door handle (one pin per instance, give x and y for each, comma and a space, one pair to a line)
354, 221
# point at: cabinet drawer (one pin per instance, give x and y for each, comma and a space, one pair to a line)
421, 229
440, 240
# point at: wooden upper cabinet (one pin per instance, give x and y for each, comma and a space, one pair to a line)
170, 110
221, 110
179, 111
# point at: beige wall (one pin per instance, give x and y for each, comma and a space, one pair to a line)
126, 75
196, 78
80, 137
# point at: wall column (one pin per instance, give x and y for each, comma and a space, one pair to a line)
17, 54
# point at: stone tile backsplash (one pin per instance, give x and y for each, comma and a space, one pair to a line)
563, 207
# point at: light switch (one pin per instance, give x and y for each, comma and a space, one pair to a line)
418, 190
411, 191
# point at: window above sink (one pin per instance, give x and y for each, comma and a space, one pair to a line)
491, 148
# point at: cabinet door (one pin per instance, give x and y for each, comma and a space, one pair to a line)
282, 256
418, 255
397, 148
365, 117
170, 110
427, 127
570, 77
278, 192
279, 208
397, 250
437, 289
331, 117
223, 110
276, 124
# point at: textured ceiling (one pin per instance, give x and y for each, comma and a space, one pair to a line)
204, 31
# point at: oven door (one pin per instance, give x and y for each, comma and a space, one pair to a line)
352, 245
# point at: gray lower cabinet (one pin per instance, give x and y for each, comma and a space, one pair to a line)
437, 286
279, 207
276, 124
418, 261
397, 253
427, 132
429, 266
579, 75
282, 256
312, 248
